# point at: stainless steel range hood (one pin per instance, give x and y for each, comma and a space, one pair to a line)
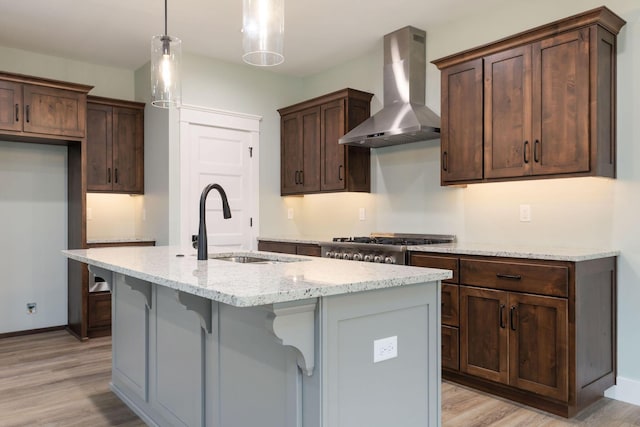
404, 117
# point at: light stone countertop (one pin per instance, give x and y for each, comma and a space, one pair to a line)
314, 240
518, 251
245, 285
121, 240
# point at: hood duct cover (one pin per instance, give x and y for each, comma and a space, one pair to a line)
404, 117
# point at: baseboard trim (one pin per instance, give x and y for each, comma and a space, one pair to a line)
32, 331
626, 390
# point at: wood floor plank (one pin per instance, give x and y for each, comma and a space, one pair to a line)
53, 380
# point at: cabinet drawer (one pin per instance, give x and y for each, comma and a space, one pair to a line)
543, 279
308, 249
437, 261
280, 247
450, 304
449, 340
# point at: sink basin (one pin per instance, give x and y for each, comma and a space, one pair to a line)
243, 259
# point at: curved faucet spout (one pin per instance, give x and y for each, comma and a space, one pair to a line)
203, 252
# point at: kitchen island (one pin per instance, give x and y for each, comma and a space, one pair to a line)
285, 341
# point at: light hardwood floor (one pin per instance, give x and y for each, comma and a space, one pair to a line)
53, 380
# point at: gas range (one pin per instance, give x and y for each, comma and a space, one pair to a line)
388, 248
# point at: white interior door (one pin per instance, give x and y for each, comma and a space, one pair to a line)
226, 156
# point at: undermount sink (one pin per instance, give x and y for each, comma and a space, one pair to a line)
243, 259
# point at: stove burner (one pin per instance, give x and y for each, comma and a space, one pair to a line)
380, 247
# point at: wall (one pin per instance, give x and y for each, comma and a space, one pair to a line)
582, 212
33, 211
219, 85
33, 197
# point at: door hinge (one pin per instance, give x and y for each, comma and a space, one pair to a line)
250, 222
250, 151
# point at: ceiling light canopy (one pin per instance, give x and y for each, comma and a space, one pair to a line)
263, 32
166, 54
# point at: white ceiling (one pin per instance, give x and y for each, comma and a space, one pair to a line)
318, 34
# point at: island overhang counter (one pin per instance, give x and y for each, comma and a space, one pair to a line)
286, 341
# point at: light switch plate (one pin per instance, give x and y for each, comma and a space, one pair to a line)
290, 213
525, 213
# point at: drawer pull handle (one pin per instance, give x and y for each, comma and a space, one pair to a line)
501, 314
17, 113
508, 276
27, 118
512, 318
525, 151
109, 175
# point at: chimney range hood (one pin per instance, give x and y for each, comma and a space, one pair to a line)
404, 117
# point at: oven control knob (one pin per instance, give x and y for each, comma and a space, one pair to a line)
357, 256
378, 258
368, 258
389, 260
347, 256
329, 254
337, 255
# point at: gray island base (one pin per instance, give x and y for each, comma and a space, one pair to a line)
291, 350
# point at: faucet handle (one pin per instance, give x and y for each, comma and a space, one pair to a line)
194, 241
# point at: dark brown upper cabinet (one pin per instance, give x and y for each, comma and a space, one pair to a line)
540, 104
33, 108
115, 146
312, 160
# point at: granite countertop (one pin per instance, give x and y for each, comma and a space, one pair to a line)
120, 240
518, 251
314, 240
245, 285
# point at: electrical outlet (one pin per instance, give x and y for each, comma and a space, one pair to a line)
290, 213
525, 213
32, 308
385, 348
362, 214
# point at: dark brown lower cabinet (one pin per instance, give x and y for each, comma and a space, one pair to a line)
539, 332
98, 304
515, 339
308, 249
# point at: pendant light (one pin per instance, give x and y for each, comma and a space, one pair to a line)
263, 32
166, 54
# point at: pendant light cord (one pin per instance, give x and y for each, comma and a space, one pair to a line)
165, 18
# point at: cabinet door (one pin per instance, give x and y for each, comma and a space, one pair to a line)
484, 334
310, 137
538, 345
332, 127
561, 104
54, 111
11, 106
507, 113
449, 337
461, 138
99, 148
450, 304
128, 150
290, 154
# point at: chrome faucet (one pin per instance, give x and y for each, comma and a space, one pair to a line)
202, 228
